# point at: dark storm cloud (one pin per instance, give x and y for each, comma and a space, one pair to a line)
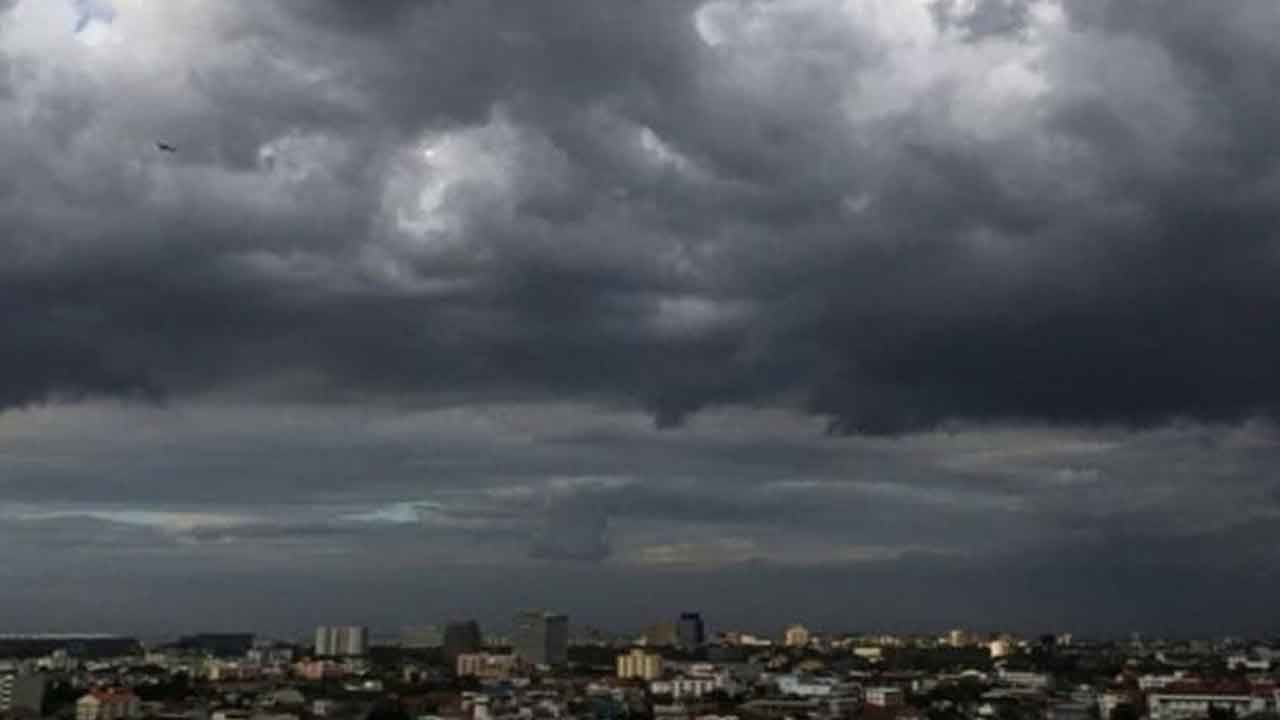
573, 278
652, 228
416, 267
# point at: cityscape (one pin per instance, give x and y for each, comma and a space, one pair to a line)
675, 669
639, 359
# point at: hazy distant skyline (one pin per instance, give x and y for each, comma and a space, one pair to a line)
861, 313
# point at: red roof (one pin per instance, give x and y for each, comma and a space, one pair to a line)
1224, 687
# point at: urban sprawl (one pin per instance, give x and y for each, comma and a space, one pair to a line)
674, 670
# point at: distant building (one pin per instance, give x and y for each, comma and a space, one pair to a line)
25, 693
808, 686
460, 638
1001, 647
701, 679
1025, 679
342, 641
421, 637
542, 638
796, 636
639, 665
486, 666
1182, 701
108, 704
884, 697
690, 631
959, 638
661, 634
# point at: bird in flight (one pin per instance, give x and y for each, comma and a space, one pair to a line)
166, 147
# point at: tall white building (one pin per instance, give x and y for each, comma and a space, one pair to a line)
342, 641
639, 664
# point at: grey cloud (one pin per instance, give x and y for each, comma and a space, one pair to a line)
985, 18
975, 219
741, 278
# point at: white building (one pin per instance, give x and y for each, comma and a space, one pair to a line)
807, 686
796, 636
1248, 662
1028, 680
884, 696
696, 686
869, 652
1183, 703
342, 641
1001, 647
1147, 683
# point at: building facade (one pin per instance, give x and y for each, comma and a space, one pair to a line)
23, 693
421, 637
796, 636
342, 641
108, 704
1182, 702
639, 665
884, 696
486, 666
461, 637
690, 631
542, 638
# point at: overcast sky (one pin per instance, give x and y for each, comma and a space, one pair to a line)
863, 313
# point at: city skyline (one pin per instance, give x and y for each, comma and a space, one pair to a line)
894, 313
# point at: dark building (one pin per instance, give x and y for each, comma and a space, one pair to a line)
690, 631
218, 644
542, 638
461, 637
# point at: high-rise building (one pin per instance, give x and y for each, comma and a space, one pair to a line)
690, 631
342, 641
23, 693
461, 638
542, 638
661, 634
639, 665
421, 637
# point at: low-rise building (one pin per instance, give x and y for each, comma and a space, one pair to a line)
1182, 701
796, 636
814, 686
1026, 679
884, 696
108, 704
486, 666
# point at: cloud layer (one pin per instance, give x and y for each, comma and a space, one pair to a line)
1016, 256
892, 214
